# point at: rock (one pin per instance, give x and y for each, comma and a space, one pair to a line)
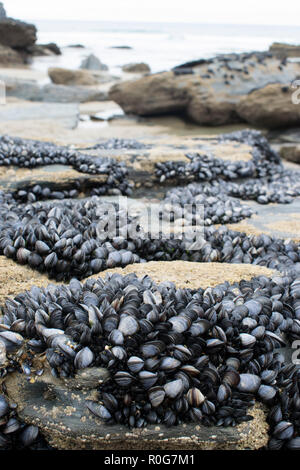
9, 56
61, 76
283, 50
52, 93
270, 107
136, 68
67, 114
78, 46
17, 34
290, 152
121, 47
206, 91
205, 109
2, 11
59, 409
154, 94
45, 49
93, 63
71, 94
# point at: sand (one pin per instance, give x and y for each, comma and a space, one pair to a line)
15, 278
191, 275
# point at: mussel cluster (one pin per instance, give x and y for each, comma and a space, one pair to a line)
120, 144
64, 239
17, 435
280, 188
218, 207
38, 193
203, 167
173, 355
31, 154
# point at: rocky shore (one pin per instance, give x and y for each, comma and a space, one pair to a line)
174, 336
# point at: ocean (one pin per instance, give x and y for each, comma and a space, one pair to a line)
161, 45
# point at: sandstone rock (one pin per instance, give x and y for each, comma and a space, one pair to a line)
9, 56
205, 109
270, 107
206, 91
290, 152
283, 50
136, 68
93, 63
17, 34
155, 94
61, 76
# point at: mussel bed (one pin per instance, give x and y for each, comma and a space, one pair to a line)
174, 355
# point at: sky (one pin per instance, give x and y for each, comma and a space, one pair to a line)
268, 12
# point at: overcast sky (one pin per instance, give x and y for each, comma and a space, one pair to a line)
195, 11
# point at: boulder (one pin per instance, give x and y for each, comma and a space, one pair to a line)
17, 34
9, 56
270, 107
45, 49
209, 92
155, 94
283, 50
290, 152
205, 108
62, 76
136, 68
93, 63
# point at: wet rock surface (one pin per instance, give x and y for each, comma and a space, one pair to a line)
51, 92
67, 423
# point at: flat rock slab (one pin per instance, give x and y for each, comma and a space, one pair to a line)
66, 114
62, 415
141, 162
56, 176
278, 220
